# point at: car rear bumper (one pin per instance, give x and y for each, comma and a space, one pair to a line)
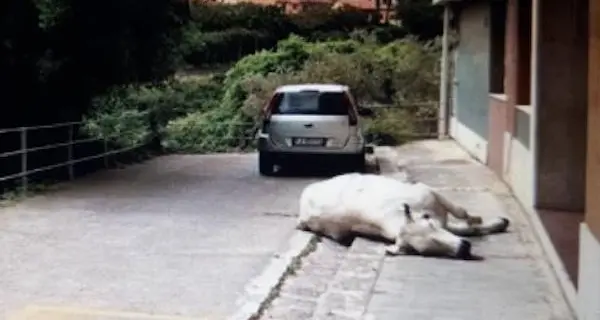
355, 146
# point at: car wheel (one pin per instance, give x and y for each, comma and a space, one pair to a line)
265, 163
358, 163
361, 163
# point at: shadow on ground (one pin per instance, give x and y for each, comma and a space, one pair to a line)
316, 169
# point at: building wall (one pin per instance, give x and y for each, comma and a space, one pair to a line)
497, 132
589, 241
510, 148
562, 105
592, 216
469, 122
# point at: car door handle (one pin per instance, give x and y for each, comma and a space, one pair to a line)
308, 125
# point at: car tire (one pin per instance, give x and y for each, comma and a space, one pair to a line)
265, 163
358, 163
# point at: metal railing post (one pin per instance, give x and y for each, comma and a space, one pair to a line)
24, 178
23, 150
105, 153
70, 153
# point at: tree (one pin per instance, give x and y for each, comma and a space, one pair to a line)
420, 18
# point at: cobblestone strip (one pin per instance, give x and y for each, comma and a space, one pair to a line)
301, 291
333, 282
266, 287
348, 295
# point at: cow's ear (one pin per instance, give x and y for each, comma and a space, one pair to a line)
407, 213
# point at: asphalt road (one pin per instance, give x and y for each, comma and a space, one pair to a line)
177, 235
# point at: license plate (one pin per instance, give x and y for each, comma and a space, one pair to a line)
308, 141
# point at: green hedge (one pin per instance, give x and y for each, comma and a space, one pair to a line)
217, 17
215, 47
222, 33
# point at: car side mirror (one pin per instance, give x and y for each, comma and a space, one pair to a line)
365, 112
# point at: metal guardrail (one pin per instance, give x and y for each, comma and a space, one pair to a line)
24, 151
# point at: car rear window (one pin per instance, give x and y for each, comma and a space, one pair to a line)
313, 103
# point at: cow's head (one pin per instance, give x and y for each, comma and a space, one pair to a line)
427, 236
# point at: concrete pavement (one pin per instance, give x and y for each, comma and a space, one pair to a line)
189, 237
514, 282
174, 236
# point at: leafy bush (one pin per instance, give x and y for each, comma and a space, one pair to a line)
390, 127
200, 132
145, 110
249, 16
213, 47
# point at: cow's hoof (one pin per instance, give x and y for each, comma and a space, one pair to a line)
464, 250
302, 226
504, 224
393, 250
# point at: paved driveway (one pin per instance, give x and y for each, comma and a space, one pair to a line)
178, 235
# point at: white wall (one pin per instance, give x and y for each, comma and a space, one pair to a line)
588, 297
469, 140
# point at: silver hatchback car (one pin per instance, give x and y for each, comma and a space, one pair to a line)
311, 120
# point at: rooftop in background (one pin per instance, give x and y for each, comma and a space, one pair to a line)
357, 4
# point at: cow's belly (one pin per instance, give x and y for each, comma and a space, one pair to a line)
344, 222
363, 203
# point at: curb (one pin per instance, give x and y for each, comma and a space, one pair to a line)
261, 290
552, 264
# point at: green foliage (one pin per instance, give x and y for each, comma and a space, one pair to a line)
134, 114
403, 71
402, 74
221, 33
213, 47
420, 18
391, 126
222, 113
200, 132
218, 17
63, 52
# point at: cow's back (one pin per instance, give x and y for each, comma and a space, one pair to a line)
371, 195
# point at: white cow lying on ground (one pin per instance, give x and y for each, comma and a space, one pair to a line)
412, 216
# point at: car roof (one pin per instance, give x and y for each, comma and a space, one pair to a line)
322, 87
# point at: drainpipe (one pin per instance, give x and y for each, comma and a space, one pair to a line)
444, 80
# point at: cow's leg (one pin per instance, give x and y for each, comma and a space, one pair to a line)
337, 232
492, 226
302, 225
328, 229
456, 210
390, 231
399, 247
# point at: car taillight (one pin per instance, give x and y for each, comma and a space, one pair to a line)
268, 110
352, 115
272, 104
